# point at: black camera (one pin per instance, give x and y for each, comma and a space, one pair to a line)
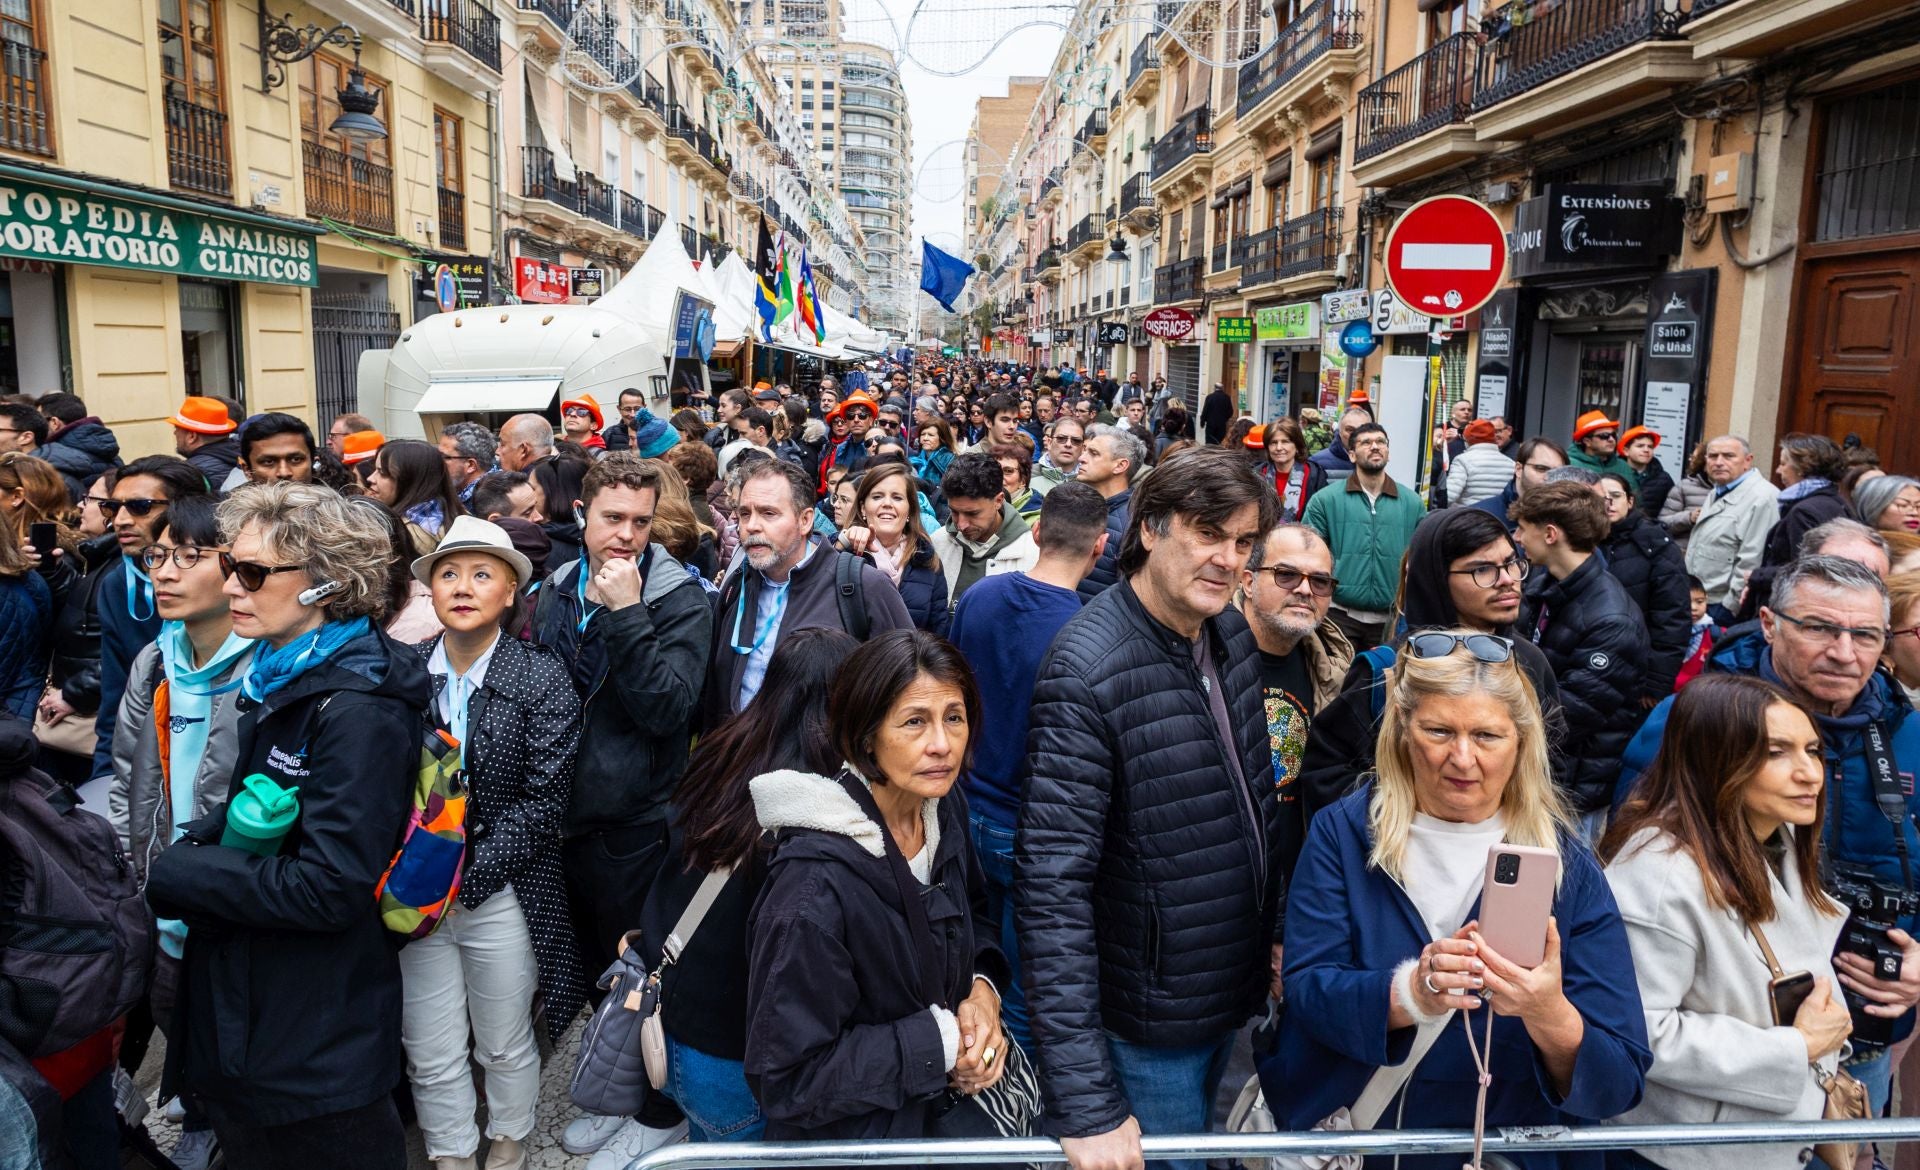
1875, 906
1506, 869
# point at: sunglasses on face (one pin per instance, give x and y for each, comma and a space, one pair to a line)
252, 576
578, 412
1288, 579
137, 507
1484, 647
856, 412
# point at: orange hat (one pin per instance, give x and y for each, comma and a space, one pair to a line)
205, 416
1632, 433
1358, 397
360, 446
763, 384
586, 400
857, 398
1593, 420
1480, 430
1256, 439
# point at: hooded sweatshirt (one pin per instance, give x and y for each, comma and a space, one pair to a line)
1011, 550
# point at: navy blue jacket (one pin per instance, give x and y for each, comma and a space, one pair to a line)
123, 634
26, 614
1106, 570
1349, 925
1498, 505
923, 588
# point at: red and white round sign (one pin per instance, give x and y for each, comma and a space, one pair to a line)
1169, 324
1446, 256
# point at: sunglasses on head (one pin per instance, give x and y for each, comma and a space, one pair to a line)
1438, 644
252, 576
136, 507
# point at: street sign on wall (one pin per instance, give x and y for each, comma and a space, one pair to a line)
539, 282
1446, 255
1233, 330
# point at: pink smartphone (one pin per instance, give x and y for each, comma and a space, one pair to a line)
1517, 900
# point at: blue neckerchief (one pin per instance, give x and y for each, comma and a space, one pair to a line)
139, 586
429, 515
768, 627
276, 666
580, 591
1802, 488
176, 658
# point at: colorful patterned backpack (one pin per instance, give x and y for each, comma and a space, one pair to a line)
423, 879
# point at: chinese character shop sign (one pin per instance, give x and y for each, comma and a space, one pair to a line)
39, 222
1233, 330
538, 282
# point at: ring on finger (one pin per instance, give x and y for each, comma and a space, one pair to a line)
1427, 979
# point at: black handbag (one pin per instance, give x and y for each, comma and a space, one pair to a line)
1011, 1106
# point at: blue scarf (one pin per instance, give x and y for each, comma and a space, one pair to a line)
275, 667
1805, 487
429, 515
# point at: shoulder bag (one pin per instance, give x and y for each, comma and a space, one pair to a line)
1847, 1098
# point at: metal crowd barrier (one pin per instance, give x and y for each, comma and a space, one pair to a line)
1201, 1147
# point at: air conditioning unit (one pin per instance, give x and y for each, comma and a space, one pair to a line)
1501, 193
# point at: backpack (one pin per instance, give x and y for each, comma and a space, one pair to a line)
849, 591
423, 880
76, 937
1380, 660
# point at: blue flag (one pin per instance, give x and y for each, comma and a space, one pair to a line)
942, 276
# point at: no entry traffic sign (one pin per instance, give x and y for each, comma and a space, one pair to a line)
1446, 256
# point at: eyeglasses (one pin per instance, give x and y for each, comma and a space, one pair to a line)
1439, 644
577, 412
1487, 576
1065, 440
1287, 579
137, 507
857, 412
252, 576
1827, 634
186, 556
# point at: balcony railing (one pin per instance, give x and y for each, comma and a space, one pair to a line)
1144, 58
1049, 258
633, 214
1530, 43
1094, 127
538, 180
1217, 261
690, 240
348, 188
648, 93
25, 112
1259, 260
1080, 234
597, 201
679, 123
559, 12
656, 222
1310, 243
1178, 281
1136, 193
467, 26
1192, 134
197, 148
453, 217
1321, 27
1433, 90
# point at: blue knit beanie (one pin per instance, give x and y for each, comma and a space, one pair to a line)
652, 437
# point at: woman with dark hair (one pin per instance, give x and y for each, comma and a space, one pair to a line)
410, 476
1174, 428
410, 618
1714, 862
934, 451
888, 533
26, 610
560, 478
1285, 467
783, 728
1809, 472
860, 1012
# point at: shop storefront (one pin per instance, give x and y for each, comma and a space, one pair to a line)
1286, 359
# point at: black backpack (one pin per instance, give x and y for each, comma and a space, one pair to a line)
75, 934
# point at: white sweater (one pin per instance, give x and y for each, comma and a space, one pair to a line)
1703, 983
1478, 472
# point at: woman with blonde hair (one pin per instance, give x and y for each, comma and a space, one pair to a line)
1383, 942
677, 525
32, 492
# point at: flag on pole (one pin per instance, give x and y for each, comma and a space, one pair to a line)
942, 276
808, 301
766, 270
783, 306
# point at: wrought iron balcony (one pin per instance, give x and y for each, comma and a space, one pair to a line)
1192, 134
1136, 194
1093, 132
597, 201
559, 12
1081, 234
197, 148
1143, 60
1178, 281
1259, 259
1322, 26
466, 25
26, 114
690, 240
1532, 42
538, 180
1310, 243
1433, 90
1217, 260
453, 217
348, 188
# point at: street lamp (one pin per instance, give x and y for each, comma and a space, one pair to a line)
281, 44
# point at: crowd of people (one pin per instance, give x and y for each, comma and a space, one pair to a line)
1010, 744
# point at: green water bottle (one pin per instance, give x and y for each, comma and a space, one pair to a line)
259, 816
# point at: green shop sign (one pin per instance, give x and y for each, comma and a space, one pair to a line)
1295, 322
1233, 329
74, 227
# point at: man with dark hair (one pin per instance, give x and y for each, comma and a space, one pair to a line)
1003, 627
128, 620
1533, 461
984, 534
1148, 751
510, 494
1003, 419
619, 436
22, 429
468, 450
1592, 633
78, 444
752, 429
1368, 522
633, 626
276, 446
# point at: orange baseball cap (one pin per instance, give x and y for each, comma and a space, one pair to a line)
586, 400
205, 416
361, 446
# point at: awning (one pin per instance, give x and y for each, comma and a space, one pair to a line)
549, 132
1324, 143
1279, 170
493, 395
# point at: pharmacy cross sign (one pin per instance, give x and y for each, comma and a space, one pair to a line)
1446, 256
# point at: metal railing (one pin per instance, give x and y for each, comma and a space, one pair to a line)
690, 240
1192, 134
648, 93
1136, 193
467, 26
559, 12
453, 217
1433, 90
1531, 42
1217, 260
1048, 259
1178, 281
1322, 26
1081, 233
633, 215
1143, 59
596, 200
1526, 1140
26, 116
1310, 243
197, 147
538, 180
1094, 127
348, 188
1260, 258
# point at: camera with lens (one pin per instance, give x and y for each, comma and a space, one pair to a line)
1875, 907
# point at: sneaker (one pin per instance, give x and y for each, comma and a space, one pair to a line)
590, 1131
504, 1153
195, 1150
176, 1110
128, 1101
632, 1141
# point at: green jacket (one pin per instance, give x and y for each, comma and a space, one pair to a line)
1618, 465
1368, 538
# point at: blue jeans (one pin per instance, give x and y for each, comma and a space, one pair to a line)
1171, 1090
712, 1092
993, 845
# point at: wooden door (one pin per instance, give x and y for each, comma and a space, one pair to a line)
1858, 346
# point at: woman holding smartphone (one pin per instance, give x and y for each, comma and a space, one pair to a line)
1718, 848
1387, 946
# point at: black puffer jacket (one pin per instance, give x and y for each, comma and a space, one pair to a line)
1646, 561
76, 628
1149, 885
1655, 485
1596, 642
1797, 518
1106, 570
82, 451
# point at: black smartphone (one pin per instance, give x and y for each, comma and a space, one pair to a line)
1788, 992
44, 537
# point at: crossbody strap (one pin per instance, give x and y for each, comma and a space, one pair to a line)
690, 918
1766, 949
909, 886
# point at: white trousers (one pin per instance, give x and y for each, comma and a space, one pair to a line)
477, 970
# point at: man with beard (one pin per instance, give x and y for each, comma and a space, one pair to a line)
1368, 525
786, 579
